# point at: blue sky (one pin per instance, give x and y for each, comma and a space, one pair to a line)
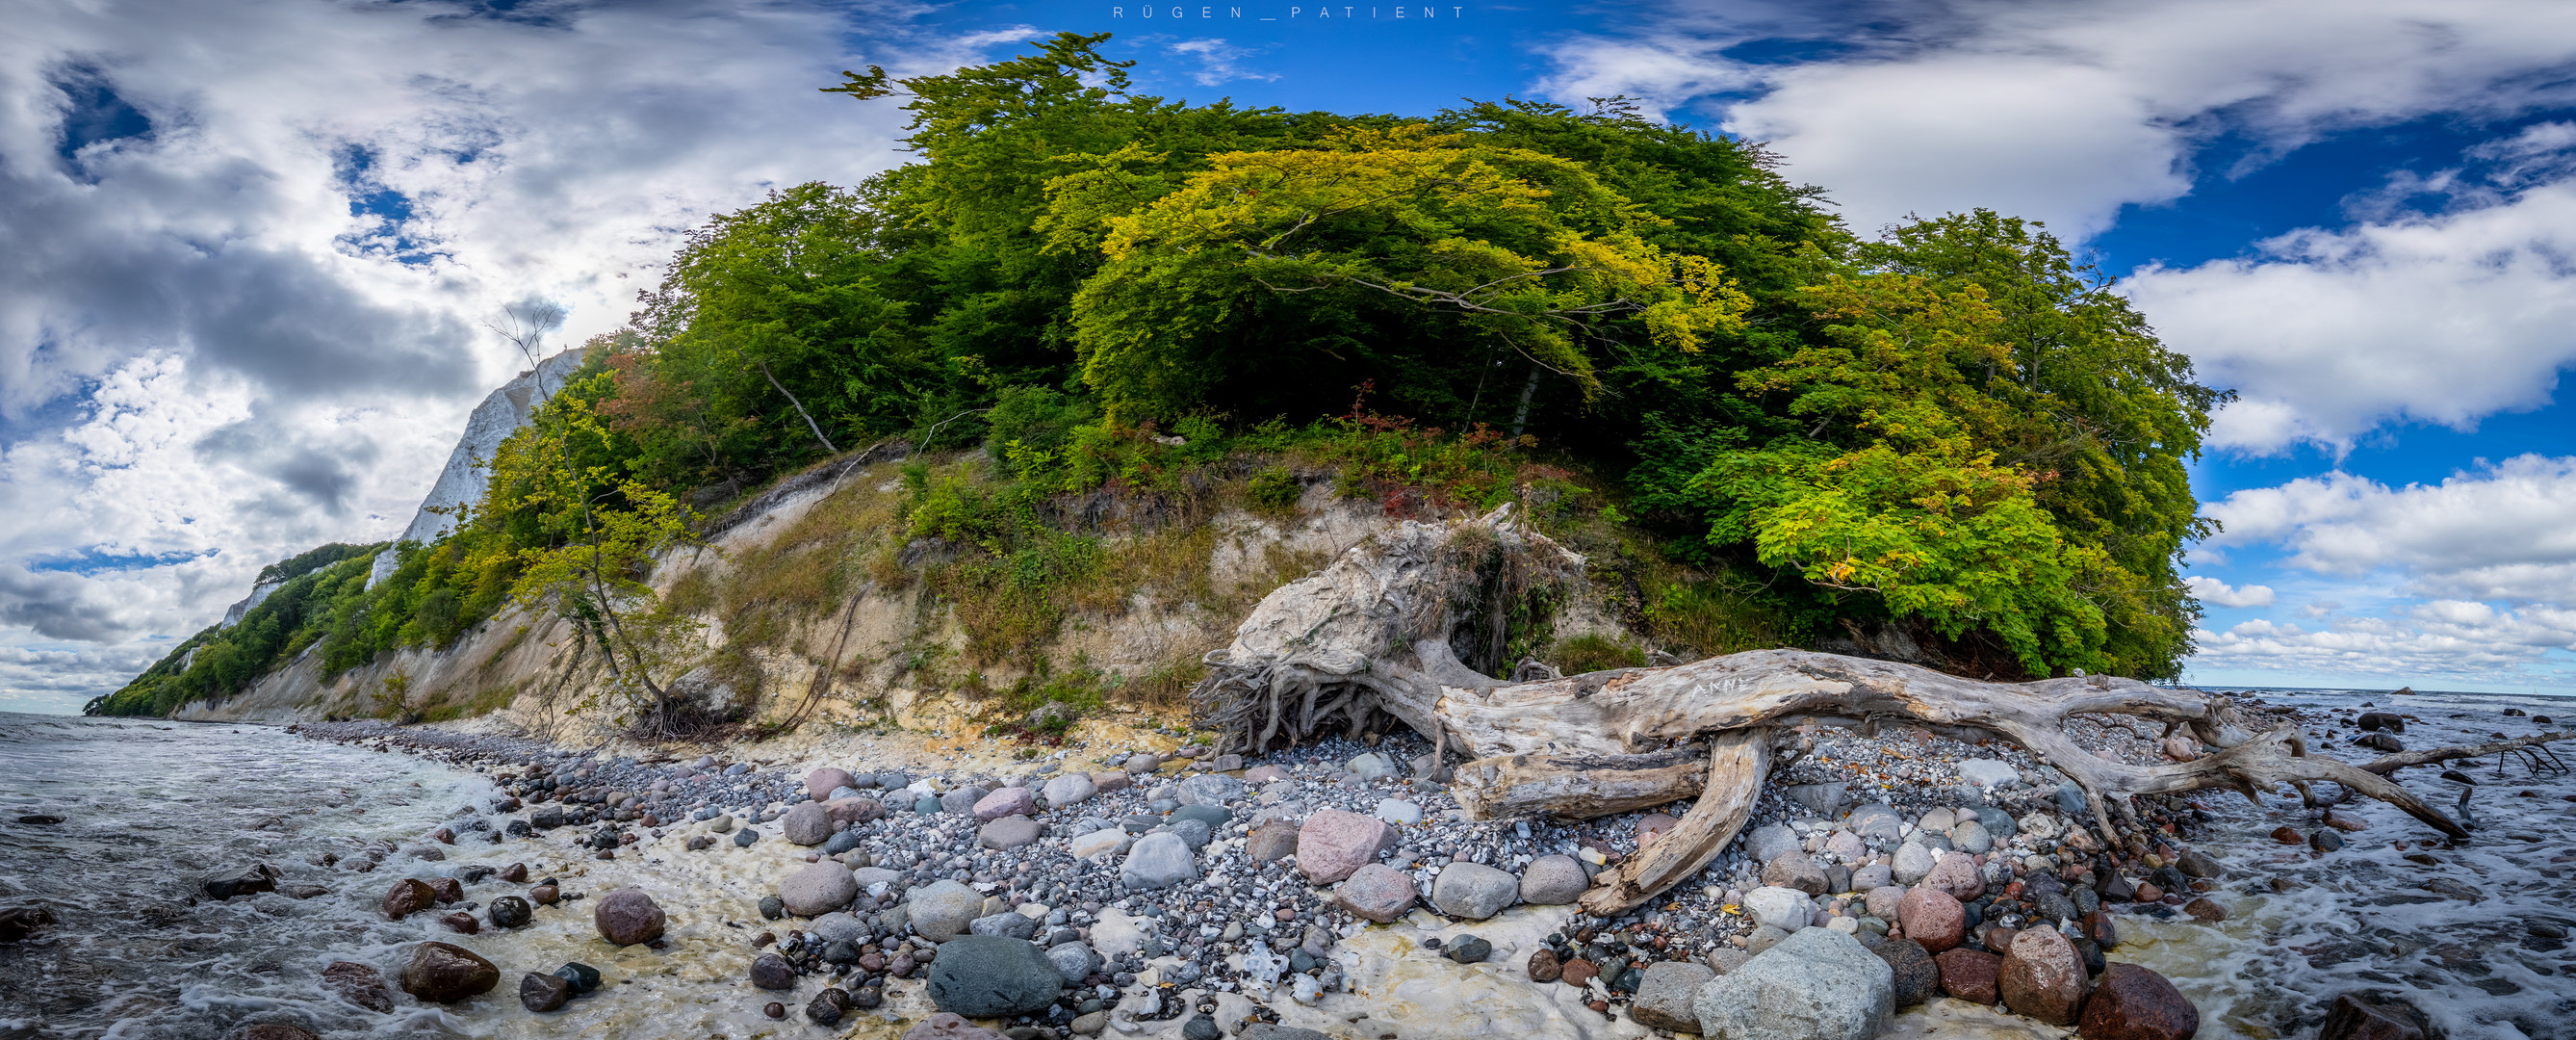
260, 244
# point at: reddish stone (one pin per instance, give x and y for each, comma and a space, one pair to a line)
516, 873
2205, 909
2135, 1003
448, 889
1956, 874
628, 916
2289, 836
1332, 844
820, 783
1969, 974
447, 974
461, 923
1933, 918
1578, 971
408, 897
854, 810
2097, 926
2043, 977
358, 984
1652, 826
1543, 966
546, 894
2148, 892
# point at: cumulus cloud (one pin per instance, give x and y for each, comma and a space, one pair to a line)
2212, 590
2500, 534
2064, 111
2441, 318
252, 245
2446, 638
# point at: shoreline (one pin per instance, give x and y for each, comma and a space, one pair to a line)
1160, 974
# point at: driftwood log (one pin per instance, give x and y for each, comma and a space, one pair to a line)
1372, 636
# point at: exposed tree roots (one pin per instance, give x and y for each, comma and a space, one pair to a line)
1371, 634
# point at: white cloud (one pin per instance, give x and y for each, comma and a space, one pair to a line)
2439, 639
1219, 62
2212, 590
2328, 334
250, 246
2065, 111
2504, 533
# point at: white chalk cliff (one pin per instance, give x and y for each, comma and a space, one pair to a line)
462, 482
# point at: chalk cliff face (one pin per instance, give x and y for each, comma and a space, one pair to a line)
257, 593
462, 482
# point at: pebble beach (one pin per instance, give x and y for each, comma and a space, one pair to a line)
1135, 884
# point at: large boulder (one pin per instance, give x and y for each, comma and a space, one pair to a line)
407, 897
854, 809
820, 783
2043, 977
1158, 860
628, 916
2357, 1016
985, 976
1553, 881
1664, 997
444, 974
1473, 890
255, 878
1817, 984
2130, 1002
1334, 843
816, 889
1770, 842
359, 984
808, 823
942, 910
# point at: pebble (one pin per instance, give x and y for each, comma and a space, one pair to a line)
1473, 891
1377, 892
628, 916
442, 973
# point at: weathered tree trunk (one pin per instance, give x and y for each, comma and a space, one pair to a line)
1371, 633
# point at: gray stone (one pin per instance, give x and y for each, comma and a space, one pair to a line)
1193, 832
1987, 773
839, 927
981, 976
808, 823
962, 800
1267, 1031
1912, 862
1009, 801
1073, 960
1875, 875
1399, 812
1796, 870
1099, 843
1824, 800
1970, 836
1725, 959
1070, 788
1209, 789
1371, 766
869, 877
1473, 890
1769, 843
1553, 881
1009, 924
1884, 900
941, 910
1763, 938
1817, 984
1213, 816
1158, 861
1664, 997
1783, 908
1007, 833
1875, 820
818, 888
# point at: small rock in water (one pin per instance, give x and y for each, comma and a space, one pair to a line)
461, 923
828, 1006
771, 971
358, 984
583, 977
628, 916
408, 896
543, 993
2357, 1016
256, 878
445, 974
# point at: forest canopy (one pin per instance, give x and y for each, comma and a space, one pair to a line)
1952, 425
